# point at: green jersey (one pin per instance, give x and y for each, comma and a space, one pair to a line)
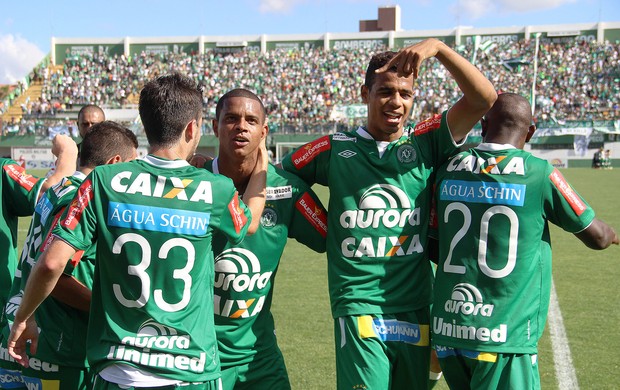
19, 192
62, 329
244, 273
62, 337
493, 280
152, 302
379, 205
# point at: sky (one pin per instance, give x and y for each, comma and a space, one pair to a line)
26, 27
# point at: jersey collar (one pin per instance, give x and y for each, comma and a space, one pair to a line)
163, 163
490, 147
215, 167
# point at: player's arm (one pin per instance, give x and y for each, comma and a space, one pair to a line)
40, 284
65, 149
598, 235
308, 224
255, 192
478, 92
71, 292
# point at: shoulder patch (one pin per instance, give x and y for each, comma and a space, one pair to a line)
78, 204
306, 153
313, 213
236, 212
19, 175
430, 124
567, 192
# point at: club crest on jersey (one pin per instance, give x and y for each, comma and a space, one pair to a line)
269, 218
406, 153
238, 270
382, 205
478, 165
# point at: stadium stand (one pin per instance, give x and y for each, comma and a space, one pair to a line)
308, 89
576, 81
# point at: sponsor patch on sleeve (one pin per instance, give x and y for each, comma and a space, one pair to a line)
430, 124
50, 236
313, 213
19, 175
238, 217
567, 192
78, 204
308, 152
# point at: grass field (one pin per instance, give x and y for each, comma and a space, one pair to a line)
586, 283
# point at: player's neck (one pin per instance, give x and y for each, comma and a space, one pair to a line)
238, 170
174, 153
382, 136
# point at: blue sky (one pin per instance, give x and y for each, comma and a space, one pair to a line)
27, 26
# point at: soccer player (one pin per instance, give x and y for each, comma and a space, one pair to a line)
493, 279
63, 318
153, 219
88, 116
379, 183
19, 192
244, 273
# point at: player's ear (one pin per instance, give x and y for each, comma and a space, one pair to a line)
265, 130
113, 160
483, 124
530, 133
215, 129
364, 92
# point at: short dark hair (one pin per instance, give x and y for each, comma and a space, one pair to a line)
376, 62
167, 104
105, 140
238, 92
90, 107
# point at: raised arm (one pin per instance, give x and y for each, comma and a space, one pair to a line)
598, 235
40, 283
65, 149
255, 192
478, 92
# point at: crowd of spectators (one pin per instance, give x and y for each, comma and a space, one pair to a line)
576, 80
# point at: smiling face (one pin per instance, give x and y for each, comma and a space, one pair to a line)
389, 101
240, 127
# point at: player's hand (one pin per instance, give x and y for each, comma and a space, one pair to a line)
63, 144
21, 333
615, 240
409, 59
199, 160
